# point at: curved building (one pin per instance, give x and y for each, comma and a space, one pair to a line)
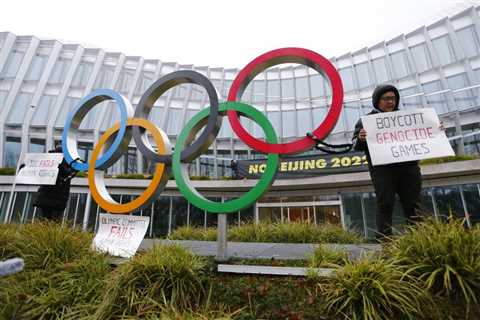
433, 66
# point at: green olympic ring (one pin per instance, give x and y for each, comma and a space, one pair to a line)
187, 135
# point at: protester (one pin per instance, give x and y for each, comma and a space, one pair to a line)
51, 200
402, 178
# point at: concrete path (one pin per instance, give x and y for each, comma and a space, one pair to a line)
260, 250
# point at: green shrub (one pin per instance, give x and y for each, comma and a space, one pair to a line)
324, 257
131, 176
446, 256
373, 290
447, 159
194, 233
7, 237
292, 232
7, 171
200, 178
70, 292
165, 275
46, 245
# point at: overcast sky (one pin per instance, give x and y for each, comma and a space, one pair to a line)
220, 32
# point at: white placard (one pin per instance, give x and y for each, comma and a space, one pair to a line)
120, 235
405, 136
39, 168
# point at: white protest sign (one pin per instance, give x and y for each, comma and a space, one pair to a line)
39, 168
401, 136
120, 235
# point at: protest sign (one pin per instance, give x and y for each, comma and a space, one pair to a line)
39, 168
120, 235
405, 136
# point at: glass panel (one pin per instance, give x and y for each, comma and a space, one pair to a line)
410, 102
179, 212
471, 192
60, 71
43, 110
12, 152
174, 121
67, 106
288, 89
420, 57
160, 217
288, 126
258, 91
301, 86
363, 75
82, 74
437, 101
380, 69
400, 64
449, 202
353, 212
347, 78
317, 86
274, 118
469, 41
304, 121
273, 93
197, 216
19, 108
146, 79
36, 146
12, 65
36, 67
104, 78
351, 114
444, 50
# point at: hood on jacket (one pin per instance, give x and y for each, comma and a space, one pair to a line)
380, 90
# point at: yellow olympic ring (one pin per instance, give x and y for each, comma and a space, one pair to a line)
95, 177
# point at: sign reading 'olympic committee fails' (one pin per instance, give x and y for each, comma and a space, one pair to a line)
405, 136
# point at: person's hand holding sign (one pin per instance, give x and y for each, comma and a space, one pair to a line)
362, 135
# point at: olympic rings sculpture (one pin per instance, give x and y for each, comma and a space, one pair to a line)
114, 142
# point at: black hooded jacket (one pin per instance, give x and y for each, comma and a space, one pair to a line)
362, 145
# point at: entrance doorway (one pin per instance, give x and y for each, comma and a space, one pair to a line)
318, 212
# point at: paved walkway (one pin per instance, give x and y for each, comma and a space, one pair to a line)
260, 250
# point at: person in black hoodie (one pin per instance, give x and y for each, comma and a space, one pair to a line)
402, 178
52, 199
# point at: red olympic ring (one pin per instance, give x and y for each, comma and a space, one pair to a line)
272, 58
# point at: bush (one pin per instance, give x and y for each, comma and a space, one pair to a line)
447, 159
7, 171
46, 245
292, 232
445, 256
131, 176
373, 289
163, 276
324, 257
69, 292
194, 233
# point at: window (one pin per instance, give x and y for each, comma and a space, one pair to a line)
301, 85
36, 68
347, 78
82, 74
36, 145
288, 91
364, 79
444, 50
274, 118
174, 121
12, 152
410, 102
19, 108
400, 64
437, 101
351, 115
421, 58
258, 91
469, 41
463, 99
304, 121
43, 110
288, 123
67, 106
104, 78
60, 71
146, 79
12, 65
317, 85
380, 70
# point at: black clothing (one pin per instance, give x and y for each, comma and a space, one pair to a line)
52, 199
402, 178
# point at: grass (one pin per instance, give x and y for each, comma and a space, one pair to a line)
163, 276
288, 232
446, 256
373, 289
448, 159
324, 257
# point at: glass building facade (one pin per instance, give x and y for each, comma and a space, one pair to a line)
433, 66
